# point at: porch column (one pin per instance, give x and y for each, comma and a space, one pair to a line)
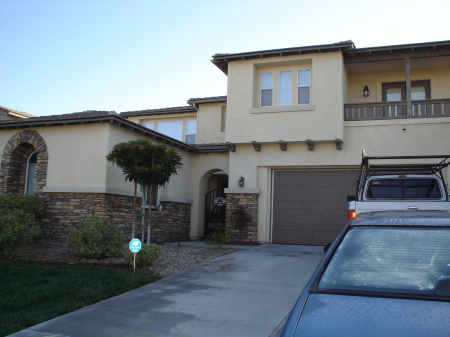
408, 86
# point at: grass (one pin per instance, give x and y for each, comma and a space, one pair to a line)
33, 293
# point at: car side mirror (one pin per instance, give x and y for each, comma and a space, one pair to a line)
351, 198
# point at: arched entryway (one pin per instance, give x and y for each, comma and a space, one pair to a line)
214, 210
24, 164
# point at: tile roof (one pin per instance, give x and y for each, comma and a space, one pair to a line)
13, 112
92, 117
221, 60
163, 111
202, 100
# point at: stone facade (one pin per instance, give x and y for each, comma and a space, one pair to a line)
249, 202
14, 161
64, 209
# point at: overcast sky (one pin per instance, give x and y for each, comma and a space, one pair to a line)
63, 56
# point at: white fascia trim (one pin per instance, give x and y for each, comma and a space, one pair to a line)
175, 199
243, 190
290, 108
78, 189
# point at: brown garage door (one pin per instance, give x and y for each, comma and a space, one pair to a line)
310, 207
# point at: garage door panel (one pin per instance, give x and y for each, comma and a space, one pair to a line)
310, 207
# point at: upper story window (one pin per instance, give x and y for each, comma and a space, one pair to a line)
304, 86
266, 88
396, 91
191, 130
182, 130
285, 88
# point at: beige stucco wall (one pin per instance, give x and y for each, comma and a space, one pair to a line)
320, 120
209, 123
439, 81
378, 138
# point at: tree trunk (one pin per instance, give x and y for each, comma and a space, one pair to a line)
134, 210
143, 213
150, 192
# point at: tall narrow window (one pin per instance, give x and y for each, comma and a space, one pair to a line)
31, 173
191, 131
304, 86
285, 97
223, 119
266, 88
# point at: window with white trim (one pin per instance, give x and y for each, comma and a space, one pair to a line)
304, 86
285, 88
191, 131
266, 88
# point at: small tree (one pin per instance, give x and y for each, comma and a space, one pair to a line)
129, 157
159, 165
147, 164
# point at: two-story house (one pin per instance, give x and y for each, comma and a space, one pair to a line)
284, 143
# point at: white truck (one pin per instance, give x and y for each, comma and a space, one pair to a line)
416, 183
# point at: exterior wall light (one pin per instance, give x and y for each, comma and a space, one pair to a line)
160, 208
366, 91
241, 181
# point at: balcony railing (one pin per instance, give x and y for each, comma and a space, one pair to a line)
429, 108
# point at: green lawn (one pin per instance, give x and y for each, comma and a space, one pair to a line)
32, 293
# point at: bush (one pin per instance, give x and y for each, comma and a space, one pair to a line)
25, 202
218, 236
97, 240
146, 255
17, 226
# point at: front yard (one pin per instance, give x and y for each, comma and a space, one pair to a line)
33, 293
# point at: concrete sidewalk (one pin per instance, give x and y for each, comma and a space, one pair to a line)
247, 293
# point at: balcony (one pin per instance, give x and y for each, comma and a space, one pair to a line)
430, 108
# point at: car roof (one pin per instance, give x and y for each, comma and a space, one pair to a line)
402, 218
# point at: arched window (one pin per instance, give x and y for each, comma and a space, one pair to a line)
30, 177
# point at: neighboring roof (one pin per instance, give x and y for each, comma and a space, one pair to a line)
203, 100
221, 60
15, 113
163, 111
92, 117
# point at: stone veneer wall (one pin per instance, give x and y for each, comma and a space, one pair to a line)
249, 201
64, 209
14, 160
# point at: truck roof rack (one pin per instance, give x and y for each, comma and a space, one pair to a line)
367, 169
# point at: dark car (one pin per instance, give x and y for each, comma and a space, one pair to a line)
386, 274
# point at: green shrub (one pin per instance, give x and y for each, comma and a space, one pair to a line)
25, 202
17, 226
97, 240
218, 236
146, 255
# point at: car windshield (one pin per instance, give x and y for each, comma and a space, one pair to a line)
409, 260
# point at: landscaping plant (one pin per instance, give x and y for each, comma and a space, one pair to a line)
145, 256
19, 219
97, 240
218, 236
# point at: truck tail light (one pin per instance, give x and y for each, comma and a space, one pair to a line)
351, 214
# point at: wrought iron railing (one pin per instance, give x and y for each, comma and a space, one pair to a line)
430, 108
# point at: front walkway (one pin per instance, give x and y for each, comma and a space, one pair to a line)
247, 293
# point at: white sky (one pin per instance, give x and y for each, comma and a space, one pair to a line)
63, 56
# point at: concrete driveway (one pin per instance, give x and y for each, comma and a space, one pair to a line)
247, 293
